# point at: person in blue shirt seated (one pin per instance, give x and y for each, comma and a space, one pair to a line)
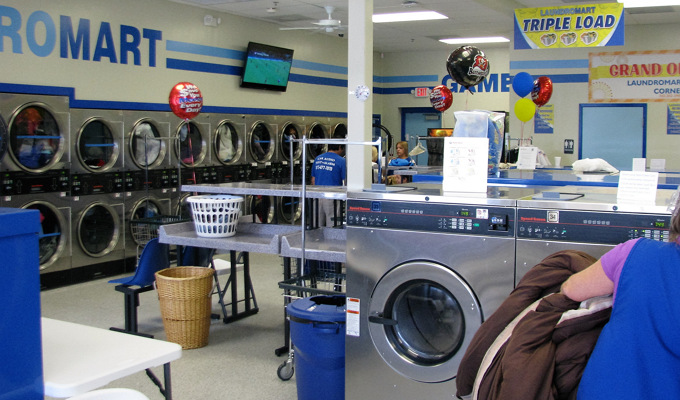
329, 169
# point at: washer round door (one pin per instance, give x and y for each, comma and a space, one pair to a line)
36, 141
261, 142
340, 131
317, 131
191, 146
98, 229
422, 316
290, 209
3, 138
146, 145
97, 150
228, 145
183, 208
290, 131
144, 208
51, 240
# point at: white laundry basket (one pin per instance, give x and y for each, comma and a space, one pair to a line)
215, 216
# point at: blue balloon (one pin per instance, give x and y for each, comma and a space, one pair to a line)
522, 84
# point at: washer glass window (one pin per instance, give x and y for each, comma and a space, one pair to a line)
97, 230
340, 131
290, 208
227, 143
430, 326
191, 144
260, 142
144, 136
290, 131
263, 208
35, 138
3, 138
317, 132
96, 147
184, 208
50, 237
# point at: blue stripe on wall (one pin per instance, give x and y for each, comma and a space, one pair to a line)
122, 105
406, 78
316, 80
312, 66
549, 64
401, 90
203, 50
563, 78
185, 65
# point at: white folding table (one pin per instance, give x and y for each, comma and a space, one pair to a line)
79, 358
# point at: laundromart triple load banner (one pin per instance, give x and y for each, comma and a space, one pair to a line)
580, 25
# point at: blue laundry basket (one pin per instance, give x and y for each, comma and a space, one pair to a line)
317, 330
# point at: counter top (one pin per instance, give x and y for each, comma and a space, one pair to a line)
251, 237
269, 189
323, 244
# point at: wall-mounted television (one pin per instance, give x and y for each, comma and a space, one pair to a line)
267, 67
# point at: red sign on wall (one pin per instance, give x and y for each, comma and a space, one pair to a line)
421, 92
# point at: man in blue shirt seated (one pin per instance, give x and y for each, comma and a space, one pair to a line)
329, 169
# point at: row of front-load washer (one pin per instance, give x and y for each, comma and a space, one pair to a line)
90, 172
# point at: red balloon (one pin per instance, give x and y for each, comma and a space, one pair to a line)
186, 100
542, 91
441, 98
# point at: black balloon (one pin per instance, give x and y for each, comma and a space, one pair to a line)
468, 66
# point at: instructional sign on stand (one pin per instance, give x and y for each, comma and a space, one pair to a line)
637, 187
526, 159
466, 162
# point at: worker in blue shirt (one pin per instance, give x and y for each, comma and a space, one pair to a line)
329, 169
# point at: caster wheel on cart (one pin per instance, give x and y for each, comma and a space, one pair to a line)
285, 371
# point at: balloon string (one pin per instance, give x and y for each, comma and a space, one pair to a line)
191, 151
521, 136
467, 97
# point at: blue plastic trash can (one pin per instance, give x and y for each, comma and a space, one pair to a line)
317, 330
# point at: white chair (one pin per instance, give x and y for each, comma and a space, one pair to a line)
111, 394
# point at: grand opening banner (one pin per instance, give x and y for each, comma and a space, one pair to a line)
634, 76
591, 25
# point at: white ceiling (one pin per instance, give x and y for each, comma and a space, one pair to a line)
466, 18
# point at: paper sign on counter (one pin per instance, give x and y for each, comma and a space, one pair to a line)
639, 164
637, 187
658, 164
526, 159
466, 164
353, 323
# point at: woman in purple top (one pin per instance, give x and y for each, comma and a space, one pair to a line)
638, 352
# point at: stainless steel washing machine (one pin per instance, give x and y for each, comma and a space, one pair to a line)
147, 140
97, 137
98, 229
55, 221
423, 272
260, 146
147, 194
38, 132
228, 146
3, 151
289, 129
589, 219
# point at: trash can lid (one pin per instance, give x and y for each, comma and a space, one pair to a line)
319, 308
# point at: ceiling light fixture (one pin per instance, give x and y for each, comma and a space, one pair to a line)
492, 39
648, 3
408, 16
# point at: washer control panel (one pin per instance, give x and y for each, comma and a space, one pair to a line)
590, 227
19, 182
432, 217
86, 184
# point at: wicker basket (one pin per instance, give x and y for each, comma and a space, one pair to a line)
186, 304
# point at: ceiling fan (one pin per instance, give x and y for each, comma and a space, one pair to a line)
328, 25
